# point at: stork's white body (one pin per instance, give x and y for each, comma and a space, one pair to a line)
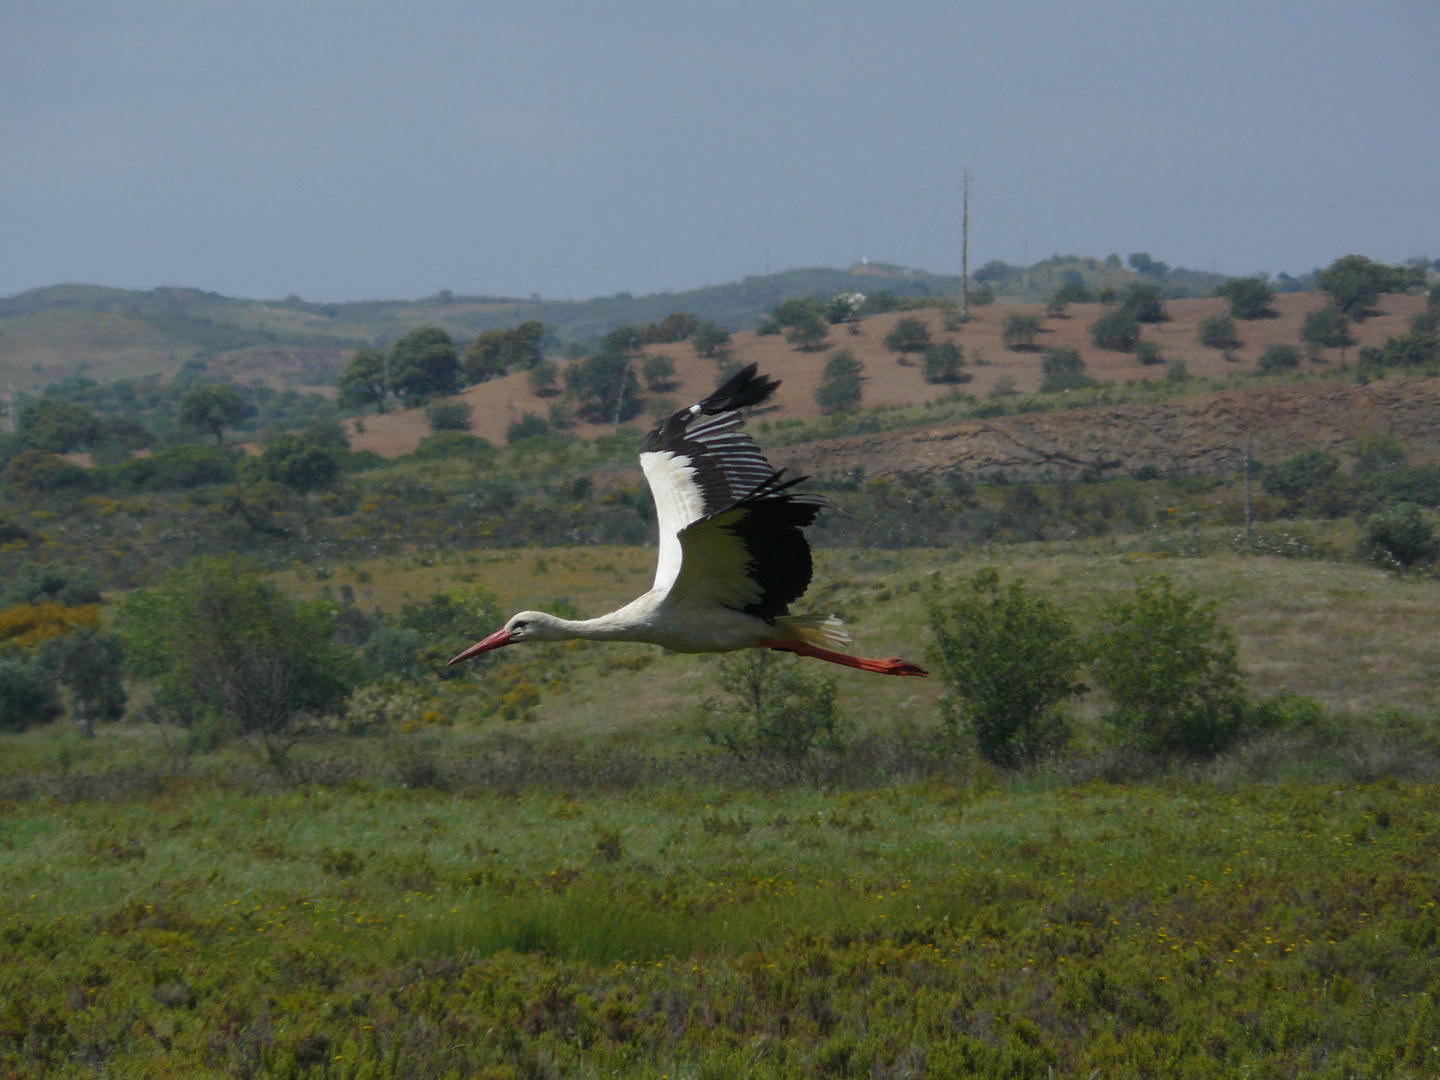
732, 555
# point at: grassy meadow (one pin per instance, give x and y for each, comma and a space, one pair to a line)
591, 890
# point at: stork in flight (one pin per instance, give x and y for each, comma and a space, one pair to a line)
732, 556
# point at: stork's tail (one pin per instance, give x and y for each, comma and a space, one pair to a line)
824, 631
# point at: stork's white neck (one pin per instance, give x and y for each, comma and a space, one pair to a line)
618, 625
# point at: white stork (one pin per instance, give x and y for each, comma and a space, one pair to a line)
732, 556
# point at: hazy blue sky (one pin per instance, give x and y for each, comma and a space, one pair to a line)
350, 151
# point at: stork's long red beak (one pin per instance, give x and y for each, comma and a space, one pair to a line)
494, 641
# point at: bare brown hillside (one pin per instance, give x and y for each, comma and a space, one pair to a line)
895, 380
1201, 435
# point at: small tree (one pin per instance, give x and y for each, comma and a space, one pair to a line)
1009, 659
449, 414
658, 373
1144, 305
1117, 331
1072, 291
364, 381
1299, 474
28, 694
1401, 535
944, 363
1148, 353
1019, 331
1279, 358
807, 332
213, 407
840, 387
1355, 283
529, 426
89, 663
770, 708
1063, 369
1170, 670
604, 387
909, 335
1326, 328
1250, 297
423, 365
709, 339
57, 426
1218, 332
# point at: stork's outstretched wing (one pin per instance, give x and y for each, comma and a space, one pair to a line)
729, 524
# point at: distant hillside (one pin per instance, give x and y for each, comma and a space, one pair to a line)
64, 331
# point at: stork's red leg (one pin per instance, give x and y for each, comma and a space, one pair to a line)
879, 667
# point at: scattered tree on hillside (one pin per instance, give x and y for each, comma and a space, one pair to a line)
542, 378
56, 426
1148, 354
1144, 305
213, 407
808, 332
709, 340
909, 335
677, 326
1072, 290
1326, 328
604, 388
1279, 358
364, 381
1063, 369
423, 365
944, 363
840, 387
449, 414
89, 663
1218, 332
304, 462
658, 373
497, 352
1250, 297
1019, 331
1142, 263
1117, 331
1354, 284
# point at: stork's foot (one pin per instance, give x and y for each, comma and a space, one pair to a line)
893, 666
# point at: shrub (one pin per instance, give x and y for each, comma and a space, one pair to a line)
449, 414
807, 333
604, 387
709, 339
175, 467
392, 652
770, 708
1019, 331
1279, 358
1072, 291
444, 444
90, 663
365, 381
1143, 304
1354, 284
1118, 331
49, 585
1400, 534
840, 387
213, 407
422, 365
658, 373
542, 378
302, 462
1326, 328
1171, 672
529, 426
1009, 658
1299, 474
943, 363
57, 426
497, 352
34, 472
1250, 297
1218, 332
28, 694
909, 335
1408, 350
1063, 369
1148, 353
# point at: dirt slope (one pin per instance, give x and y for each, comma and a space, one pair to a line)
895, 380
1191, 436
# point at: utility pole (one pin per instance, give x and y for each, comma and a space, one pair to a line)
965, 248
1247, 491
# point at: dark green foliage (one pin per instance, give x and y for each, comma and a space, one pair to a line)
1401, 535
770, 708
881, 301
1408, 350
444, 444
365, 381
1278, 358
944, 363
34, 473
28, 695
604, 387
1063, 369
1326, 328
542, 378
497, 352
422, 366
1072, 291
1148, 353
677, 326
449, 414
1427, 321
842, 308
840, 386
529, 426
1355, 283
304, 462
1143, 304
1170, 671
807, 332
447, 622
1250, 297
1020, 330
1142, 263
1300, 474
90, 664
393, 652
909, 335
49, 585
173, 468
222, 644
709, 339
213, 407
1218, 332
57, 427
658, 373
1117, 331
1009, 659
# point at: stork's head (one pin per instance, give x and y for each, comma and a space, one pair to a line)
526, 626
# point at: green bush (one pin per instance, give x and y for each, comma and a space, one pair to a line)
1143, 304
1250, 297
56, 426
1171, 672
909, 335
1148, 353
1299, 474
770, 708
709, 339
1355, 283
35, 472
1325, 328
28, 695
1063, 369
1009, 658
174, 467
300, 462
1279, 358
529, 426
1218, 332
445, 444
1412, 349
1072, 291
944, 362
422, 365
840, 387
1118, 331
658, 373
808, 332
1019, 331
1400, 535
449, 414
604, 387
90, 663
